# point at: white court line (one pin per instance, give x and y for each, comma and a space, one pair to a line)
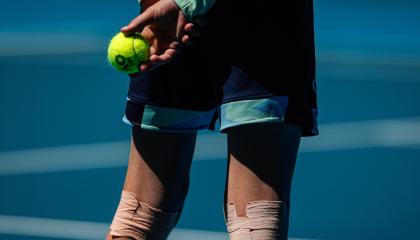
69, 229
42, 43
382, 133
365, 58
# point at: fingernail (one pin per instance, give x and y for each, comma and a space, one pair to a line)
124, 28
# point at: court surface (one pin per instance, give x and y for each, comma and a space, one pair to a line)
64, 148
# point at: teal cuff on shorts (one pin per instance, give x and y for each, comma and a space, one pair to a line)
253, 111
171, 119
230, 114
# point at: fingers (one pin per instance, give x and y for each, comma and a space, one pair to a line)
158, 60
195, 29
187, 40
153, 50
192, 30
180, 26
189, 27
163, 58
174, 45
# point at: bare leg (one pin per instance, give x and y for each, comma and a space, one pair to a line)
158, 168
261, 162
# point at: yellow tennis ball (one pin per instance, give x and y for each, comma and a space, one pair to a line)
127, 52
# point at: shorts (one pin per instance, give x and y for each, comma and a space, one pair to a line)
243, 101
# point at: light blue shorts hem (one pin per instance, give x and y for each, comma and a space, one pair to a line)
231, 114
162, 128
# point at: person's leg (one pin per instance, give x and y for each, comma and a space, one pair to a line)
260, 167
158, 169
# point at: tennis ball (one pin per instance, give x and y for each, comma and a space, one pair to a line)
127, 52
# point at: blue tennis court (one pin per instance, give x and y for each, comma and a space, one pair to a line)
64, 148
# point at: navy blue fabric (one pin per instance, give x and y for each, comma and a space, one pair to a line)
249, 49
302, 108
134, 112
174, 89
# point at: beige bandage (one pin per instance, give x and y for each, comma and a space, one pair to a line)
140, 221
263, 221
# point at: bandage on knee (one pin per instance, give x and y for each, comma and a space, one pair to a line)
263, 221
140, 221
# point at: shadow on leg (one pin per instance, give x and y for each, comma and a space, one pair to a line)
156, 184
261, 162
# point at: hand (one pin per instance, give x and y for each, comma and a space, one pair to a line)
164, 25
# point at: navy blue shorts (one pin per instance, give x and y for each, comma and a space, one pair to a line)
162, 103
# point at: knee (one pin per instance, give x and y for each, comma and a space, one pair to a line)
139, 221
265, 220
